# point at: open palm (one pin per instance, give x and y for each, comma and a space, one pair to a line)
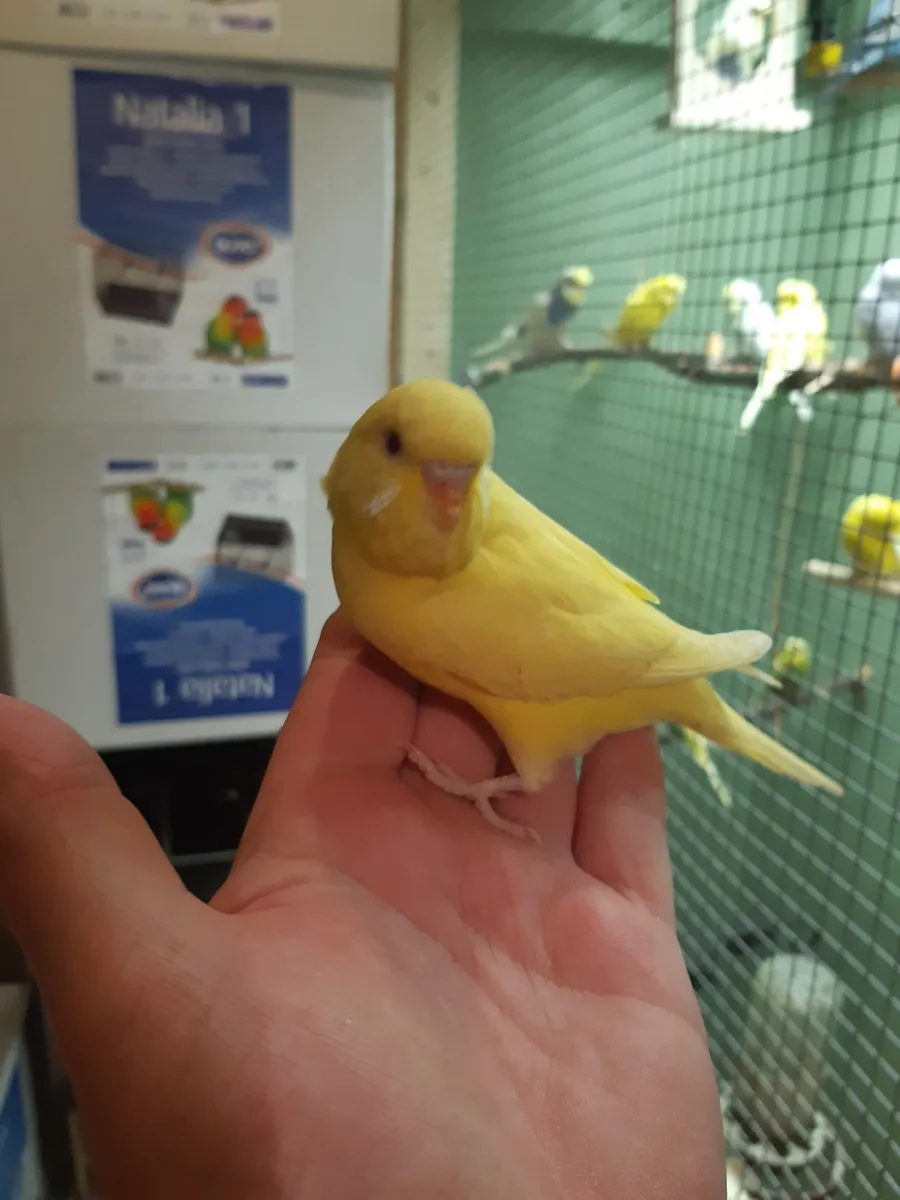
388, 997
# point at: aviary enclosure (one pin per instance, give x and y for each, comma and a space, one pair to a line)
676, 284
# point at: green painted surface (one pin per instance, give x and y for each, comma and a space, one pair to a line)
562, 161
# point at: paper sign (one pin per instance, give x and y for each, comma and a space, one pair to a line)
250, 17
206, 564
185, 232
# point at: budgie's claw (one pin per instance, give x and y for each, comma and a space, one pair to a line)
481, 794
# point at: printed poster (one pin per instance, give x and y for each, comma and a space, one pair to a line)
192, 16
185, 238
206, 563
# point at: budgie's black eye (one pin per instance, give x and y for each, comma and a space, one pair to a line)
393, 443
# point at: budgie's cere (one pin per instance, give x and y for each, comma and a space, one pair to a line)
473, 591
870, 531
752, 319
736, 43
799, 340
542, 331
878, 313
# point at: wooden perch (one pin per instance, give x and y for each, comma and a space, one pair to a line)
805, 694
838, 575
844, 376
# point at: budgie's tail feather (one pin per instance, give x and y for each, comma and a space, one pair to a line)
585, 376
699, 654
500, 342
753, 408
721, 724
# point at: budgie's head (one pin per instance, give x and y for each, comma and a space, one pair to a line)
794, 293
667, 290
888, 276
574, 283
795, 655
406, 485
741, 294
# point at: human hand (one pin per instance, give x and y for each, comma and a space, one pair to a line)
388, 998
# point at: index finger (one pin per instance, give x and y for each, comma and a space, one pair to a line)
354, 708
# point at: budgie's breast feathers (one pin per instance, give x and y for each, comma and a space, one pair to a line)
536, 616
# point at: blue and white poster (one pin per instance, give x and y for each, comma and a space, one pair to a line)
185, 232
207, 560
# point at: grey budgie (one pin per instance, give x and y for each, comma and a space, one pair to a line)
878, 313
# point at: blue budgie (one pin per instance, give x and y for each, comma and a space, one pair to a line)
880, 42
878, 313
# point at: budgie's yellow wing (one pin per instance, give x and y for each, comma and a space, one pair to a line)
530, 618
590, 557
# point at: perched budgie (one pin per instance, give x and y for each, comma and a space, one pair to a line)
701, 753
644, 311
752, 319
221, 332
794, 657
737, 41
252, 337
799, 340
880, 42
870, 531
878, 313
542, 331
474, 591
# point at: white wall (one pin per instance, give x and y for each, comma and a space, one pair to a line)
348, 34
57, 427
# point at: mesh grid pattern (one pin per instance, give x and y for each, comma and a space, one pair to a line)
563, 160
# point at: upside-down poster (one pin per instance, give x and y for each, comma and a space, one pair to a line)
185, 232
206, 563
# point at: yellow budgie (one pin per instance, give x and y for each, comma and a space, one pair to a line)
642, 314
702, 756
870, 531
799, 340
474, 591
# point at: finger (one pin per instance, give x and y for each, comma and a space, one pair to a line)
620, 827
354, 708
549, 812
454, 734
84, 886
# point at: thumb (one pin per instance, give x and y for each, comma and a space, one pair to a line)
84, 886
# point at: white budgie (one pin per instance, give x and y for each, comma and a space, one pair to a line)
752, 319
878, 313
799, 341
736, 44
542, 331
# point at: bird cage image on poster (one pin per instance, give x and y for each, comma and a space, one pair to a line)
676, 286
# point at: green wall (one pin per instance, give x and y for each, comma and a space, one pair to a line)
563, 160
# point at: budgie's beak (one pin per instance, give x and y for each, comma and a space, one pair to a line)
447, 485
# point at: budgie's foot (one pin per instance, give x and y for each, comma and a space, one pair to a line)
481, 794
802, 406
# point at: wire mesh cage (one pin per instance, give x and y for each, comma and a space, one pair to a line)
574, 151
